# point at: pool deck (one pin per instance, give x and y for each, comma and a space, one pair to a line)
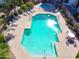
63, 50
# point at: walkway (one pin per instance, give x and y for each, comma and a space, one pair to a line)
63, 50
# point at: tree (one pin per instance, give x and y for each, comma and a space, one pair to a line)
24, 1
1, 38
23, 7
4, 48
10, 5
4, 51
29, 5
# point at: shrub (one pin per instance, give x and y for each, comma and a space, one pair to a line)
23, 7
27, 8
2, 38
4, 48
72, 26
4, 51
29, 5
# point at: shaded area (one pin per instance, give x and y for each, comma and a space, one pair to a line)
45, 6
48, 7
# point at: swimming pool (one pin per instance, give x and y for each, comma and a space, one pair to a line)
40, 38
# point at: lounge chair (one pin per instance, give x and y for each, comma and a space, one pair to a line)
9, 37
11, 29
19, 16
14, 17
71, 41
24, 14
32, 11
14, 24
28, 12
70, 34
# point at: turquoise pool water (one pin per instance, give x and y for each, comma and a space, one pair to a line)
40, 38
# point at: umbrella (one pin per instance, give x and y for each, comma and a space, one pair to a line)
70, 34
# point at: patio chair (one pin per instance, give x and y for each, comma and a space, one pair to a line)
28, 12
69, 41
9, 36
24, 14
10, 29
70, 34
15, 17
32, 11
13, 24
19, 16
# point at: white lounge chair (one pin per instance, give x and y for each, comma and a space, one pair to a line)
32, 11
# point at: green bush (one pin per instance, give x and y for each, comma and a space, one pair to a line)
4, 51
27, 8
74, 27
77, 56
29, 5
4, 48
23, 7
69, 21
2, 38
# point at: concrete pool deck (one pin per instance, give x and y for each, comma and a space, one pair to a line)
63, 50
